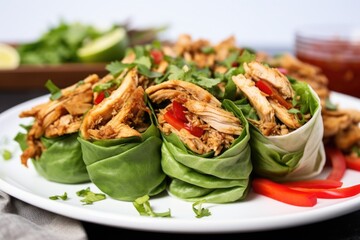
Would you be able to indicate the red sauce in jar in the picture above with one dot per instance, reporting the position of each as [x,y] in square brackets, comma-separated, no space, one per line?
[338,58]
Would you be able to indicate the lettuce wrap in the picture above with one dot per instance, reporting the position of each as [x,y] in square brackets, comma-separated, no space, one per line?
[205,150]
[62,161]
[286,125]
[121,145]
[51,140]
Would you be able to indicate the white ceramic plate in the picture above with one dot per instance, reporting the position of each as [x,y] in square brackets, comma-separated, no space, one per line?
[253,214]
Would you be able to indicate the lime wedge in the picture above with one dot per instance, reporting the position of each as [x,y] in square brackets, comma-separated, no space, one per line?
[108,47]
[9,57]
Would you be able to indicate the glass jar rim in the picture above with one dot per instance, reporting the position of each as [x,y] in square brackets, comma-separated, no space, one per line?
[329,32]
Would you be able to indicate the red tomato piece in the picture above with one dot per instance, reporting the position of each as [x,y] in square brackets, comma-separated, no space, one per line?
[157,55]
[314,183]
[283,193]
[333,192]
[179,111]
[353,162]
[338,163]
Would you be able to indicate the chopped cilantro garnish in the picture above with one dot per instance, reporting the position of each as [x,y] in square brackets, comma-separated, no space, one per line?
[89,197]
[200,211]
[200,78]
[53,89]
[62,197]
[6,154]
[207,50]
[142,205]
[105,86]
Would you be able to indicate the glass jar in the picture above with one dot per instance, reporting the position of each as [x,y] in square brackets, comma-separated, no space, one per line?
[336,50]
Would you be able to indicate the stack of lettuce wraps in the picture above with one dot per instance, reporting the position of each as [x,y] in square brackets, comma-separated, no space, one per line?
[287,127]
[120,142]
[205,149]
[51,140]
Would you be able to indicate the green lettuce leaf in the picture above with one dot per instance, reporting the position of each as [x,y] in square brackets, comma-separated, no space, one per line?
[61,161]
[220,179]
[296,155]
[128,168]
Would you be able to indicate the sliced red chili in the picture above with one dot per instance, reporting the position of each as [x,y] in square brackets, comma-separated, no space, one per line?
[100,97]
[333,192]
[314,183]
[352,162]
[338,163]
[157,56]
[283,193]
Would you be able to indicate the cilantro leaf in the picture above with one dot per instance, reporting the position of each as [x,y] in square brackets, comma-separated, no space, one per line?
[6,154]
[89,197]
[116,67]
[62,197]
[200,211]
[142,205]
[53,89]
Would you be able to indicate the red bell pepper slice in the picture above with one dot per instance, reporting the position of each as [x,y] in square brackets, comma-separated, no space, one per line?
[352,162]
[173,121]
[157,56]
[179,111]
[333,192]
[273,93]
[263,87]
[177,124]
[283,193]
[100,97]
[338,163]
[314,183]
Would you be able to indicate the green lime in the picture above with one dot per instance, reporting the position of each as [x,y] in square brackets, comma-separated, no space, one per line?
[109,47]
[9,57]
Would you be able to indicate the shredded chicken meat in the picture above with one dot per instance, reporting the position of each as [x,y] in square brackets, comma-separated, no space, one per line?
[341,126]
[202,110]
[266,107]
[122,114]
[58,117]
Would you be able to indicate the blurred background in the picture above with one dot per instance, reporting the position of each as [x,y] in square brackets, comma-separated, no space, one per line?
[261,24]
[265,26]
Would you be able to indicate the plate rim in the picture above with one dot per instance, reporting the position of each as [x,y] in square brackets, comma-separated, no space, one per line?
[174,225]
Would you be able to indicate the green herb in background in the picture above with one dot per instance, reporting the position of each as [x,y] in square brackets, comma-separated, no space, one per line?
[62,197]
[142,205]
[61,42]
[89,197]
